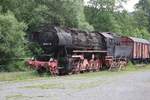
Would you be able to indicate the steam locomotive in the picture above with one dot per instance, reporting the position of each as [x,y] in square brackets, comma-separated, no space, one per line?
[68,50]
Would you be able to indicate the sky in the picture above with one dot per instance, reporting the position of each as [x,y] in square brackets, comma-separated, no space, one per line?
[129,5]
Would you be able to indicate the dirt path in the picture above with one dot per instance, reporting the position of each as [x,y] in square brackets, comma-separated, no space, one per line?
[131,86]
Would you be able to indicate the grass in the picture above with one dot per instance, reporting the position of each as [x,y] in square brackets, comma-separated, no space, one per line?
[22,76]
[47,86]
[17,97]
[63,85]
[25,97]
[17,76]
[141,67]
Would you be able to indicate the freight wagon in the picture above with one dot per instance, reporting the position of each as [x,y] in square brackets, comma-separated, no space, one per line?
[138,48]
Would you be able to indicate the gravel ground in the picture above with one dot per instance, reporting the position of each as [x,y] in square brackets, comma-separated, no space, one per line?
[131,86]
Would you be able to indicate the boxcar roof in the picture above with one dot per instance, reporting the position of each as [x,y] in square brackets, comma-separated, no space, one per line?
[139,40]
[106,35]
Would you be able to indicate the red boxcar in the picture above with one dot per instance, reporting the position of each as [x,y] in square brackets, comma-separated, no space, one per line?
[140,47]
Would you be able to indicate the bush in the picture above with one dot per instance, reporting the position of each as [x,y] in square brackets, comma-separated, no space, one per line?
[12,42]
[131,66]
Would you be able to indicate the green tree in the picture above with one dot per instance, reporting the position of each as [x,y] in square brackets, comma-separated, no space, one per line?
[142,14]
[68,13]
[11,41]
[100,14]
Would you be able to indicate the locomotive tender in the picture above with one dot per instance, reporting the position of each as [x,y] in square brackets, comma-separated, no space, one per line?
[74,51]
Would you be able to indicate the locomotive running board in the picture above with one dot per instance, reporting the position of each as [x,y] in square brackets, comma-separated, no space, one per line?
[89,51]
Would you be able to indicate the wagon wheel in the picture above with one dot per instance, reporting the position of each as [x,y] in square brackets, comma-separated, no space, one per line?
[125,64]
[100,65]
[113,65]
[46,67]
[97,66]
[91,66]
[51,71]
[77,70]
[120,66]
[54,71]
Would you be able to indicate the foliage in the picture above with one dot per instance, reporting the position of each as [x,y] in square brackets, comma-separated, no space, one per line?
[100,14]
[68,13]
[35,48]
[11,40]
[106,16]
